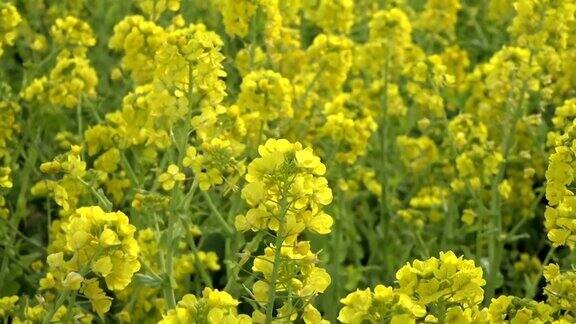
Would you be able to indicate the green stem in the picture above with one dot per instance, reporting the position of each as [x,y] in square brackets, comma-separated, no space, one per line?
[167,289]
[302,128]
[229,231]
[65,293]
[442,312]
[69,311]
[249,249]
[421,243]
[277,258]
[129,169]
[99,194]
[495,242]
[3,268]
[199,265]
[79,118]
[275,272]
[149,269]
[385,209]
[534,285]
[185,204]
[63,296]
[337,256]
[16,231]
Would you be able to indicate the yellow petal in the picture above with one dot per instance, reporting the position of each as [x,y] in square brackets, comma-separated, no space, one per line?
[103,266]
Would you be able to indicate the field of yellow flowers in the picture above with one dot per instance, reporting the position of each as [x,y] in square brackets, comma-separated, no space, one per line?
[277,161]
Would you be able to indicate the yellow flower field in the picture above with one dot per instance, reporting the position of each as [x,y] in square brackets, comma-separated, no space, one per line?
[279,161]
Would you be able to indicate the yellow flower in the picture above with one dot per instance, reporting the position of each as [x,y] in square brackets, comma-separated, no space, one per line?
[333,16]
[139,39]
[190,156]
[306,159]
[103,242]
[7,305]
[48,282]
[237,16]
[155,8]
[357,305]
[5,181]
[286,170]
[447,279]
[71,79]
[217,298]
[504,189]
[265,96]
[317,281]
[254,193]
[108,161]
[71,31]
[9,21]
[320,223]
[169,178]
[312,316]
[73,281]
[109,238]
[214,306]
[100,302]
[217,163]
[468,216]
[103,266]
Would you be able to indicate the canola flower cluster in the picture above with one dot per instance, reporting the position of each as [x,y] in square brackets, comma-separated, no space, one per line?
[95,242]
[287,192]
[278,161]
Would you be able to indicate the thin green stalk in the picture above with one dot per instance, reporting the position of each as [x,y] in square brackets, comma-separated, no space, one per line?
[277,258]
[421,243]
[167,288]
[275,272]
[63,296]
[129,169]
[495,242]
[48,219]
[99,194]
[190,195]
[199,265]
[149,269]
[79,119]
[229,231]
[253,37]
[289,300]
[258,140]
[336,259]
[522,221]
[16,231]
[304,96]
[385,210]
[480,31]
[531,293]
[248,250]
[300,101]
[451,213]
[181,142]
[442,312]
[3,268]
[191,105]
[480,204]
[21,207]
[69,311]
